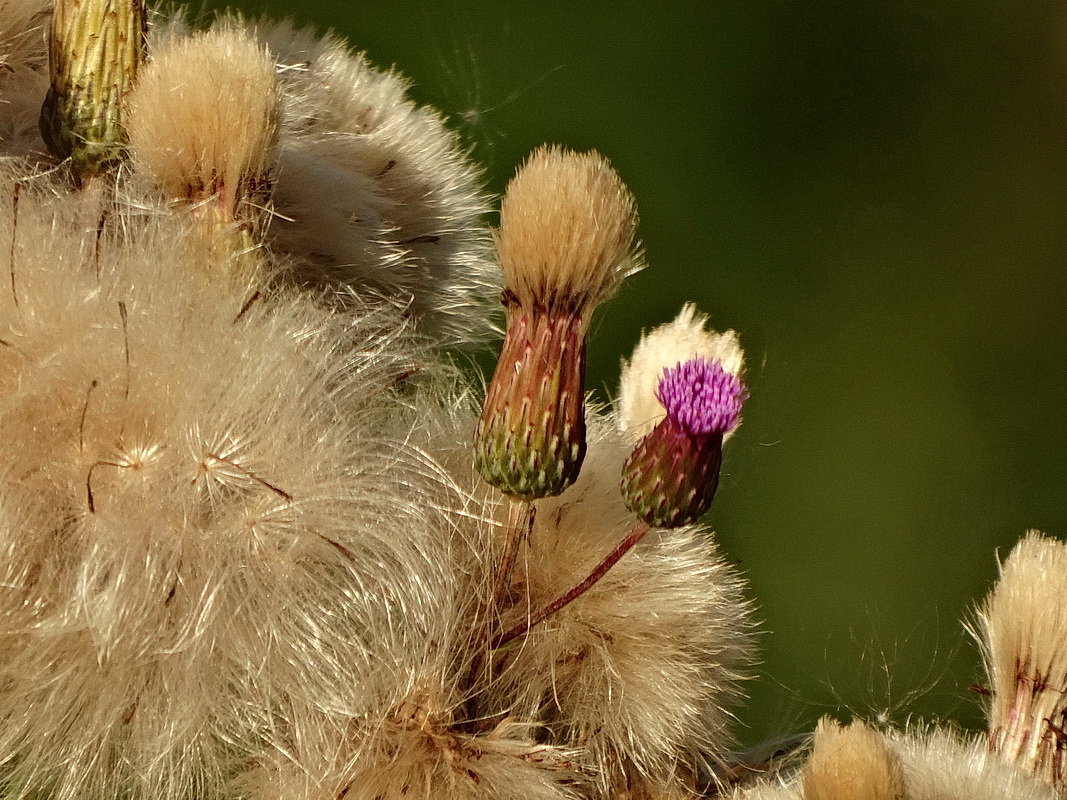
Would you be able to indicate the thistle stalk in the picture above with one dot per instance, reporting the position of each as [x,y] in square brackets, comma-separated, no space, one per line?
[95,48]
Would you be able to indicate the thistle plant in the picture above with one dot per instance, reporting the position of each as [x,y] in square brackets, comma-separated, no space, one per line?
[670,478]
[565,239]
[260,539]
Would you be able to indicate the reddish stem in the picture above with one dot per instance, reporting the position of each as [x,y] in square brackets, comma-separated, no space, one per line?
[599,571]
[520,523]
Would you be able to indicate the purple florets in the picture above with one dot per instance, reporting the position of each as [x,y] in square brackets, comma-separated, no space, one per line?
[701,397]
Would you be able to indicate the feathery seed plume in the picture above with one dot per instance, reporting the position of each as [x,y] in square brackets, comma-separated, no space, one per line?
[852,763]
[1022,627]
[671,476]
[936,764]
[203,122]
[95,47]
[375,196]
[565,240]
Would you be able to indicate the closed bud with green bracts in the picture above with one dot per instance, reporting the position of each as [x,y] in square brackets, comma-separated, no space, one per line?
[95,47]
[531,437]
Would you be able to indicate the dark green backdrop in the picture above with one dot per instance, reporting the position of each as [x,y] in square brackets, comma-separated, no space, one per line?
[873,193]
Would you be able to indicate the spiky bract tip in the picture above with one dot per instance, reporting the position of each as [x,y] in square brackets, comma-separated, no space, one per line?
[530,440]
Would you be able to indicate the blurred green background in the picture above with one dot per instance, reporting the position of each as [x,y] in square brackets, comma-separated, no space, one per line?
[873,194]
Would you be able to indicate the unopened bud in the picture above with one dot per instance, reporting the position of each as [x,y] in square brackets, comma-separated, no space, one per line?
[670,478]
[95,47]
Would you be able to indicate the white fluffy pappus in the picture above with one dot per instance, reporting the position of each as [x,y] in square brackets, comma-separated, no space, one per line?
[641,671]
[432,736]
[215,533]
[1022,630]
[203,117]
[374,192]
[418,752]
[935,765]
[23,75]
[852,762]
[567,227]
[665,346]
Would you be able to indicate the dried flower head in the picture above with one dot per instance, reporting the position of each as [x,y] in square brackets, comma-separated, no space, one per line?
[375,196]
[859,762]
[687,336]
[1022,627]
[566,238]
[671,476]
[852,763]
[203,118]
[202,128]
[566,233]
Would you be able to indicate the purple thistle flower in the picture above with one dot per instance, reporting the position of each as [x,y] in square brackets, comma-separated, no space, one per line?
[670,478]
[701,397]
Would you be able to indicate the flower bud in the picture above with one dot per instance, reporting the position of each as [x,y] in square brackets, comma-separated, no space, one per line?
[685,337]
[565,240]
[670,478]
[95,47]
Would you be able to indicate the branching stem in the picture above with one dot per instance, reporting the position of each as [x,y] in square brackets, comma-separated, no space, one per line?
[590,580]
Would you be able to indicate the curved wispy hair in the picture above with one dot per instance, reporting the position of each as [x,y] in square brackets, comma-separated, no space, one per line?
[936,764]
[642,669]
[216,532]
[373,191]
[23,75]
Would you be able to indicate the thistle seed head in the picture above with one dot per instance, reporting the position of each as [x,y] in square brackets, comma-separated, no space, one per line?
[1022,627]
[204,119]
[565,239]
[566,234]
[852,763]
